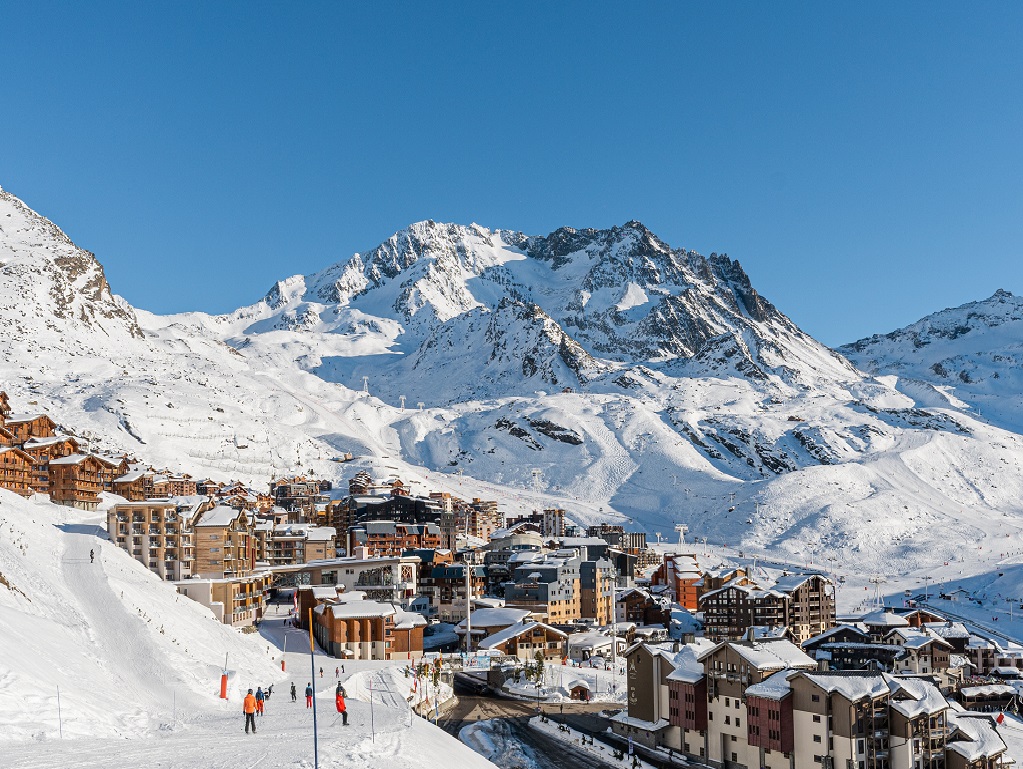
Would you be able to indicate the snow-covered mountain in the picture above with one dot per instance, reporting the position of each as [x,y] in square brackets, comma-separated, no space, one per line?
[970,355]
[643,382]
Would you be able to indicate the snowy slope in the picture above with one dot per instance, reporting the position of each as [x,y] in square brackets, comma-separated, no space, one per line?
[123,648]
[644,382]
[968,356]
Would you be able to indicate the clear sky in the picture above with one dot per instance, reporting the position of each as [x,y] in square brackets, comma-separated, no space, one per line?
[863,161]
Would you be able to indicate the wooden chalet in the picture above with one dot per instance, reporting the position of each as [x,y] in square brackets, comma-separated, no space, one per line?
[77,480]
[42,451]
[135,485]
[16,471]
[25,426]
[5,407]
[6,436]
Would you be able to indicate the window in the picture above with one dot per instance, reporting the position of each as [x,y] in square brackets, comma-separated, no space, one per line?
[815,698]
[816,719]
[816,738]
[728,720]
[737,704]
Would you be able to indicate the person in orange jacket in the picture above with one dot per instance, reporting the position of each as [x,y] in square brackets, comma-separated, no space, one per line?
[339,701]
[249,708]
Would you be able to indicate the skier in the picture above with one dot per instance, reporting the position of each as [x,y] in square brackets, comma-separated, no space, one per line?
[92,556]
[269,691]
[342,668]
[321,672]
[294,694]
[341,690]
[309,695]
[249,708]
[260,699]
[337,672]
[339,701]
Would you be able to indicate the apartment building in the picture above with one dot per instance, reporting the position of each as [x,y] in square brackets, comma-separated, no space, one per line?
[443,584]
[392,538]
[158,534]
[760,703]
[388,580]
[597,580]
[237,601]
[77,480]
[42,451]
[16,471]
[351,626]
[224,543]
[296,543]
[549,586]
[803,603]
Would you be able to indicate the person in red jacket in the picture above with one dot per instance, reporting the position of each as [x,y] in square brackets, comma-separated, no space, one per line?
[339,701]
[309,695]
[249,708]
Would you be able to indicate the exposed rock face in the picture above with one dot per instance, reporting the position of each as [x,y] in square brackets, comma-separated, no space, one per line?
[51,283]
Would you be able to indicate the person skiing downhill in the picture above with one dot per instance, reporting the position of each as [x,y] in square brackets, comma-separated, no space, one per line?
[92,556]
[337,672]
[294,694]
[249,709]
[260,699]
[309,695]
[321,672]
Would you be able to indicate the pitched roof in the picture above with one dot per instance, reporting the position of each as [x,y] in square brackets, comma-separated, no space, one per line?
[514,631]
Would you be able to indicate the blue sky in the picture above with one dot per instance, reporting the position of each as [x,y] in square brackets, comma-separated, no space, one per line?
[863,162]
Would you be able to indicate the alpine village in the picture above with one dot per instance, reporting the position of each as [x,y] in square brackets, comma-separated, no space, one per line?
[706,663]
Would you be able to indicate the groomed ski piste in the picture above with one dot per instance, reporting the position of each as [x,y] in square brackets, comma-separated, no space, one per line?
[137,668]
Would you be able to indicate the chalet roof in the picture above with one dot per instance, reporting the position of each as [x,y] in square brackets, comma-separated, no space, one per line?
[975,736]
[947,629]
[22,454]
[767,655]
[589,640]
[834,631]
[492,617]
[884,618]
[130,477]
[916,639]
[775,687]
[792,582]
[915,697]
[18,418]
[73,459]
[361,609]
[406,620]
[853,687]
[34,442]
[514,631]
[220,515]
[688,668]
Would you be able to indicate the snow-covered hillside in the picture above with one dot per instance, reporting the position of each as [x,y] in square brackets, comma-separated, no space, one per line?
[123,648]
[969,356]
[644,383]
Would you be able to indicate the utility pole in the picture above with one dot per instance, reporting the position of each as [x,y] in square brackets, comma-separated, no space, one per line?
[402,399]
[420,404]
[365,385]
[312,665]
[682,530]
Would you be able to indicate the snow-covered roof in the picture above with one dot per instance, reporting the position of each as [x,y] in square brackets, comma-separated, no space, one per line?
[976,737]
[883,617]
[360,609]
[34,442]
[130,476]
[15,418]
[853,687]
[775,687]
[514,631]
[406,620]
[990,690]
[324,592]
[589,641]
[492,617]
[832,631]
[768,655]
[923,697]
[625,719]
[688,667]
[948,629]
[70,459]
[220,515]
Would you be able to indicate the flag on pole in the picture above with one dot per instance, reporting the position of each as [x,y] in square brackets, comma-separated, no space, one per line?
[1001,717]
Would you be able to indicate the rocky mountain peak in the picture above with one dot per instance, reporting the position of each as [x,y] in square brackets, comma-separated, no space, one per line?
[55,282]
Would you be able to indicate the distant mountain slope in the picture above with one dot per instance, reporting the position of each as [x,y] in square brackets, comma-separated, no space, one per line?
[972,354]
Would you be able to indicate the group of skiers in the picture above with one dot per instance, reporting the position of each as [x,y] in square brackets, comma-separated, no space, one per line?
[254,704]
